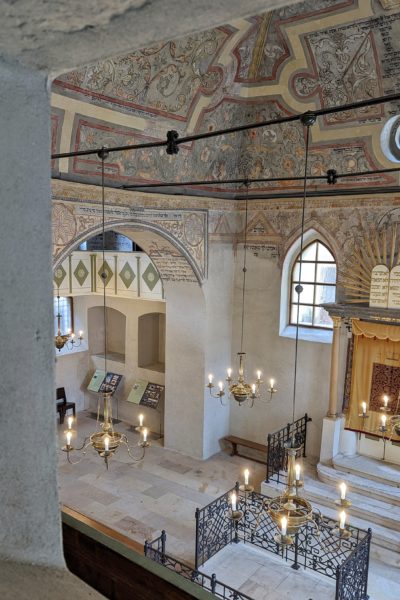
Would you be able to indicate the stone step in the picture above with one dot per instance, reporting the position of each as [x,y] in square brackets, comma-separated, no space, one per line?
[385,544]
[370,468]
[371,510]
[360,485]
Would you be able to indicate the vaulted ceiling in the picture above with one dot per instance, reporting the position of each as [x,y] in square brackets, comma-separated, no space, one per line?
[319,53]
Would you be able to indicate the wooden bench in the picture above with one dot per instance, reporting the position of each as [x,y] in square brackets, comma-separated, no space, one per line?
[237,441]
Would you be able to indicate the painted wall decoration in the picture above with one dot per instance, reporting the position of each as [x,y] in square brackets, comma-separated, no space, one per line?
[129,275]
[318,53]
[165,233]
[371,274]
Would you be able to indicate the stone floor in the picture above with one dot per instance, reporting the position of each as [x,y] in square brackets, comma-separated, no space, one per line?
[263,576]
[163,491]
[160,492]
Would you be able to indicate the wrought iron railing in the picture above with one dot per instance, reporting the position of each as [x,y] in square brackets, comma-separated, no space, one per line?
[352,575]
[155,550]
[276,443]
[315,546]
[214,530]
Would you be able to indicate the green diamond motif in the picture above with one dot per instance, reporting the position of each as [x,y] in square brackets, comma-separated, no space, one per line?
[151,277]
[127,275]
[59,275]
[105,268]
[81,273]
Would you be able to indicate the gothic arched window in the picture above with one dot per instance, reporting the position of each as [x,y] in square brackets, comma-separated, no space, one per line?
[315,276]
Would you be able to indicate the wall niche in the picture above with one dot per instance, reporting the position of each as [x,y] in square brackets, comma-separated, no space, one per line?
[116,333]
[151,342]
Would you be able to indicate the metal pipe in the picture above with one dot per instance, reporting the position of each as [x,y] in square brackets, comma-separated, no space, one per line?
[244,180]
[238,128]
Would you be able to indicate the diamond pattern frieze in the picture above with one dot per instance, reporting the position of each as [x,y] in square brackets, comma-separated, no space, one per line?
[127,275]
[151,277]
[107,271]
[81,273]
[59,275]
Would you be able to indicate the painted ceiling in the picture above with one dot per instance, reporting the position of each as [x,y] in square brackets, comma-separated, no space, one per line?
[315,54]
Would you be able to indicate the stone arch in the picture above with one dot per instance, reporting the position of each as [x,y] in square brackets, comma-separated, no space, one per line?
[169,255]
[313,228]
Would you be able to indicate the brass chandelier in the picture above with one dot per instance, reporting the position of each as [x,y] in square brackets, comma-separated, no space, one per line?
[106,440]
[241,390]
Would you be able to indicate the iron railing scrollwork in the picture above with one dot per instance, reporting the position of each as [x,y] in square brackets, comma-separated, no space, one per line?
[315,547]
[155,550]
[214,529]
[352,574]
[276,444]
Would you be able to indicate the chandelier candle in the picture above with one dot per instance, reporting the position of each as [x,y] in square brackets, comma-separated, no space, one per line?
[246,477]
[283,526]
[145,434]
[70,423]
[140,420]
[342,521]
[364,408]
[385,401]
[106,443]
[297,469]
[383,420]
[69,435]
[233,502]
[343,488]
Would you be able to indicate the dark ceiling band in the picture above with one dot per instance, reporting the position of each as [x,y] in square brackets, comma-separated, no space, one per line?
[331,177]
[173,139]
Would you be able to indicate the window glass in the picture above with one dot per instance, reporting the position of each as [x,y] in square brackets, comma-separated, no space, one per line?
[326,273]
[317,276]
[307,272]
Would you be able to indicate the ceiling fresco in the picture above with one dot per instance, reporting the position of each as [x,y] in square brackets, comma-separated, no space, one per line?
[320,53]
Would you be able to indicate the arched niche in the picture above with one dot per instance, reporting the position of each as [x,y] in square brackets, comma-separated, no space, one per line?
[116,332]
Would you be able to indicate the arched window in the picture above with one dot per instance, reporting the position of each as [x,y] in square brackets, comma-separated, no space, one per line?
[317,278]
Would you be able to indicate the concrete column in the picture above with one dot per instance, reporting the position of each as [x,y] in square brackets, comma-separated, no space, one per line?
[30,525]
[333,385]
[218,296]
[184,368]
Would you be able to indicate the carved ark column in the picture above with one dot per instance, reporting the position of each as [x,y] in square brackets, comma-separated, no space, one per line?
[333,386]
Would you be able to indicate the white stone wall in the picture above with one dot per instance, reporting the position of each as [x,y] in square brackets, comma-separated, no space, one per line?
[274,356]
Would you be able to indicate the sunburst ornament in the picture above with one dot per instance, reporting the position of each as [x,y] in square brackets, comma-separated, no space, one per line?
[371,275]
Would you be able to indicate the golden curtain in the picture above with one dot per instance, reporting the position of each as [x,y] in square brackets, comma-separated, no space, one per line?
[375,372]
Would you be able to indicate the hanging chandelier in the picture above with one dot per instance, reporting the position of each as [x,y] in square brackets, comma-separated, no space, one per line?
[241,390]
[290,511]
[65,340]
[105,440]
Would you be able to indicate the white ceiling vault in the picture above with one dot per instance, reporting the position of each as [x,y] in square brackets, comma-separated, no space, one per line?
[60,35]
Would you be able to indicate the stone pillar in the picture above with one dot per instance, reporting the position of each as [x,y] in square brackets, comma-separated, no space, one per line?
[333,385]
[184,368]
[30,526]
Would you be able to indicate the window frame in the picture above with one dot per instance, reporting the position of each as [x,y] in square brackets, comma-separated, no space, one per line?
[70,300]
[292,282]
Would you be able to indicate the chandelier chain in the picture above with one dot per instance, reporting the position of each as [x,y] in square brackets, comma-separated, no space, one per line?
[244,264]
[308,124]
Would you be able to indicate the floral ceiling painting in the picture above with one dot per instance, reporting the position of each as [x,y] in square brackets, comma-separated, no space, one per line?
[320,53]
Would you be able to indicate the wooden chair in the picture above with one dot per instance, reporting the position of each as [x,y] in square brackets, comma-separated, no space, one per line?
[63,405]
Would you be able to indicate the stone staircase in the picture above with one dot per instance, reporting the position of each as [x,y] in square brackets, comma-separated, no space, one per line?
[374,490]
